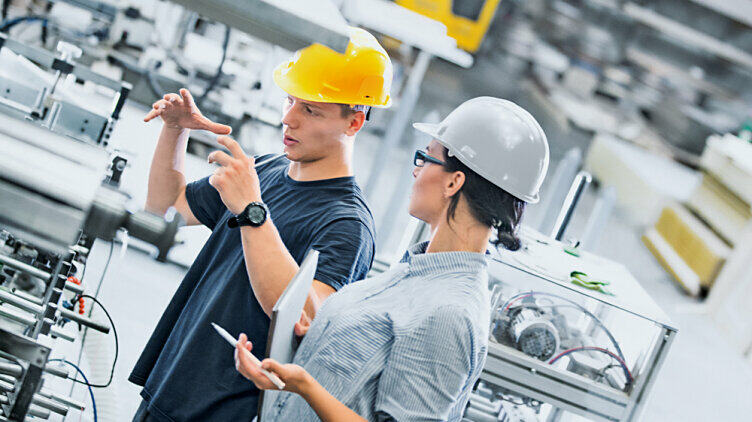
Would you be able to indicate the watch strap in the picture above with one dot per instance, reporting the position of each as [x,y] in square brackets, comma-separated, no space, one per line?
[242,218]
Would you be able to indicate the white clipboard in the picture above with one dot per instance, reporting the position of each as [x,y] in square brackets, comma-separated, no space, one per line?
[280,344]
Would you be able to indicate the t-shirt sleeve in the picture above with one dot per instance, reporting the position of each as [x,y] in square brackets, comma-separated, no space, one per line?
[205,202]
[346,249]
[427,369]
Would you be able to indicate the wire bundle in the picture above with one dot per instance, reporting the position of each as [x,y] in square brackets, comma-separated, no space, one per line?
[619,358]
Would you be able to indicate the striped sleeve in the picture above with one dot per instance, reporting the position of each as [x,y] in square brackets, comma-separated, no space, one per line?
[428,368]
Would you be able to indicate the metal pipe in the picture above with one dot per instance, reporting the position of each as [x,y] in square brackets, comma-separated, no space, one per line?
[582,180]
[29,297]
[13,316]
[64,400]
[397,125]
[38,412]
[27,306]
[556,193]
[27,320]
[75,288]
[40,401]
[57,371]
[50,405]
[22,266]
[598,219]
[20,303]
[56,332]
[12,369]
[84,321]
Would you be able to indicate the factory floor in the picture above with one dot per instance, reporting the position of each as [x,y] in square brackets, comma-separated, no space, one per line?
[701,380]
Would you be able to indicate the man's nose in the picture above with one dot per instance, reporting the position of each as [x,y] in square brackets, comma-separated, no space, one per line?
[289,118]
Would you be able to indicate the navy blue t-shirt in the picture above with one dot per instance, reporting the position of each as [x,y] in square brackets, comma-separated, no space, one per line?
[186,369]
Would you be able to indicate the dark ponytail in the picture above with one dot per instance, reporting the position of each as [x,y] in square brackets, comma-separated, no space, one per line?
[488,203]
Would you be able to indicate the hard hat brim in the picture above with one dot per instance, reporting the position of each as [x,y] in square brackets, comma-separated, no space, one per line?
[433,130]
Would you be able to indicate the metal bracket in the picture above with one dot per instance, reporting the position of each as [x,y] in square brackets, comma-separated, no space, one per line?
[33,357]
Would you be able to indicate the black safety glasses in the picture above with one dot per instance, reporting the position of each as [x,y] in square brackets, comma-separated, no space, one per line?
[422,157]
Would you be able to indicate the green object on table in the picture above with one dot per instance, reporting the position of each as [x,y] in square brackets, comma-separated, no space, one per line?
[581,279]
[572,251]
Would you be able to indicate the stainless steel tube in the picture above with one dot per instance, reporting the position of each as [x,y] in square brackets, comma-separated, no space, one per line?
[581,182]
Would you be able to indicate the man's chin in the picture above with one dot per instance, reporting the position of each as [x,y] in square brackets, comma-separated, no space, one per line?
[294,155]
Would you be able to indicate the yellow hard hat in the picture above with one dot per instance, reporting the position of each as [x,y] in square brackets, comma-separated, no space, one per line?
[360,76]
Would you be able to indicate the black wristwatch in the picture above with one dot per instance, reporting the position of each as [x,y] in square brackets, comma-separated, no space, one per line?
[254,215]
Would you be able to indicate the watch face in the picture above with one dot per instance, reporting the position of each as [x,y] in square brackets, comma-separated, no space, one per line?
[256,214]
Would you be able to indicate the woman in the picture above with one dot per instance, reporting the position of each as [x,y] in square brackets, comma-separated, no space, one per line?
[410,343]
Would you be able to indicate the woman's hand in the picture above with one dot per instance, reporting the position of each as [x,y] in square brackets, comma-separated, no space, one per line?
[181,112]
[302,326]
[296,378]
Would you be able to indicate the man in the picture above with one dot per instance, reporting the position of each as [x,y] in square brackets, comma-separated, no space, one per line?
[263,221]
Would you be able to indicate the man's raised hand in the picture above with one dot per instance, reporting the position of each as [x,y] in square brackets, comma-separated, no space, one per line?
[181,112]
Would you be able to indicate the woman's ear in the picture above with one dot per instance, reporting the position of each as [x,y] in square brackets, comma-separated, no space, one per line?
[454,183]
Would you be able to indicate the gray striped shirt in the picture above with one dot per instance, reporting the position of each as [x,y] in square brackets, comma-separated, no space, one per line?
[406,345]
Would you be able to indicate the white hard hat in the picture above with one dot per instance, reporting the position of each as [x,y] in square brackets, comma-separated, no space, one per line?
[497,139]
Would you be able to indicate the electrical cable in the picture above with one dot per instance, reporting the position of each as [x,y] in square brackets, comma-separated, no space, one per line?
[91,392]
[215,79]
[519,296]
[6,25]
[104,272]
[598,349]
[44,34]
[99,285]
[117,344]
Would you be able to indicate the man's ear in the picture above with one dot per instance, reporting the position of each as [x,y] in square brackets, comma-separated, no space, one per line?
[454,183]
[357,120]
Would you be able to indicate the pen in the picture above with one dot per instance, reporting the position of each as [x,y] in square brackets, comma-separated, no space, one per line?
[233,341]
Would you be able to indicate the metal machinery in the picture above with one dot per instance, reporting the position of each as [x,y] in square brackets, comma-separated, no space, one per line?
[560,352]
[467,21]
[50,108]
[58,192]
[53,203]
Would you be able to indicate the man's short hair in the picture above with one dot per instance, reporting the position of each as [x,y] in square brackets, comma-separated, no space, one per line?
[348,109]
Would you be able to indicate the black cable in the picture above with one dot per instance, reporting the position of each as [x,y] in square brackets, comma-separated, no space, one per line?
[47,10]
[6,4]
[99,285]
[117,344]
[218,75]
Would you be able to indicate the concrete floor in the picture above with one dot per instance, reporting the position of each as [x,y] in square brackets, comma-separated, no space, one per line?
[702,379]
